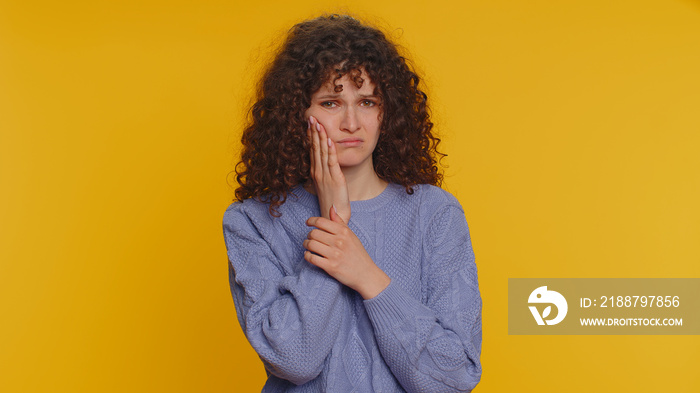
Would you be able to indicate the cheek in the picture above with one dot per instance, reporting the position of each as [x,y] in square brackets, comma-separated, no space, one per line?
[374,125]
[375,119]
[314,112]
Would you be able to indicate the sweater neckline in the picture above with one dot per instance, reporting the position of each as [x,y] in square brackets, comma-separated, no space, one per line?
[308,199]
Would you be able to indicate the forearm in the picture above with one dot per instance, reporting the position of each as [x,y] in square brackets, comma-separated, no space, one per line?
[423,352]
[374,281]
[292,323]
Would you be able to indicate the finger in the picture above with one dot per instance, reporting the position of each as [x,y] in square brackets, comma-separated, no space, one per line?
[316,148]
[335,217]
[325,224]
[318,248]
[332,157]
[333,163]
[311,145]
[321,236]
[323,144]
[315,259]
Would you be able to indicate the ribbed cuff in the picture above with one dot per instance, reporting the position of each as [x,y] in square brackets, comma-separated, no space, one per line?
[392,307]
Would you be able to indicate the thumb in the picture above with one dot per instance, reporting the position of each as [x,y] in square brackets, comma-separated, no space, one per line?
[335,216]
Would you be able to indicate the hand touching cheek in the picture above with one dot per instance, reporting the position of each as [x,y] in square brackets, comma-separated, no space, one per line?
[328,178]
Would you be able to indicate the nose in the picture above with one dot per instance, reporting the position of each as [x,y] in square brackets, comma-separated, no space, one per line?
[350,121]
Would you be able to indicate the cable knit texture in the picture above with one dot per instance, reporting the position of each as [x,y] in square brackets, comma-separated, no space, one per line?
[421,334]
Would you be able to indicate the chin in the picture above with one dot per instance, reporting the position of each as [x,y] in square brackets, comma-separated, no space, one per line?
[348,159]
[348,162]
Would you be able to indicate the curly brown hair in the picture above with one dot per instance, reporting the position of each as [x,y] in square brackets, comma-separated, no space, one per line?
[275,155]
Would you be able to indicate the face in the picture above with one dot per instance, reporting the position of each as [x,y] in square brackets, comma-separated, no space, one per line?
[351,118]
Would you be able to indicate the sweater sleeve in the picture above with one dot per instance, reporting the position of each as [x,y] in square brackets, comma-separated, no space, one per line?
[290,320]
[435,347]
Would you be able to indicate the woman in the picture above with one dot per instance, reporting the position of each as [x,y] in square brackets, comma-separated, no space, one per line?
[349,268]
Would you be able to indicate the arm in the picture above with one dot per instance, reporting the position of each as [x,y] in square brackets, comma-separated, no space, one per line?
[290,320]
[435,347]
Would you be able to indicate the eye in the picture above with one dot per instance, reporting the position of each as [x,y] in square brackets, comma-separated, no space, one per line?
[328,104]
[368,103]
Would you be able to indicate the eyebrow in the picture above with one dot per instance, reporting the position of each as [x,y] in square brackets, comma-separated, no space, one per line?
[327,96]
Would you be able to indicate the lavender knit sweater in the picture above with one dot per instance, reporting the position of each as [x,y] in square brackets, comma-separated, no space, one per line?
[421,334]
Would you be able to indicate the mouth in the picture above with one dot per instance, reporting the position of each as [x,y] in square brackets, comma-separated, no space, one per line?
[350,142]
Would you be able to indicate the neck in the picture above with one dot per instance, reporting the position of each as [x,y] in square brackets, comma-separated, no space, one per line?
[362,183]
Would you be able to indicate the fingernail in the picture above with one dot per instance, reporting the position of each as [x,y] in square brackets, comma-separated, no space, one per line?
[318,127]
[334,209]
[329,142]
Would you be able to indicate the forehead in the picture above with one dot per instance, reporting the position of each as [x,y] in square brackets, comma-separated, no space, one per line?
[348,84]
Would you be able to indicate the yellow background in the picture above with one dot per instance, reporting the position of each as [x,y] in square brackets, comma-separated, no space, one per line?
[572,128]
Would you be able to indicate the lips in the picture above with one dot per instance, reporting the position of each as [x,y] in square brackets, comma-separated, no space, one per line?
[349,142]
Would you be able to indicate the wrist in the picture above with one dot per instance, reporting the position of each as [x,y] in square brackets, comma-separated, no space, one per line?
[376,284]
